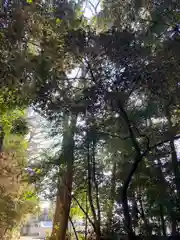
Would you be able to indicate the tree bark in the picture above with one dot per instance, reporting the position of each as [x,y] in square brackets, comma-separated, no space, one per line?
[127,217]
[164,186]
[86,219]
[138,158]
[135,211]
[90,186]
[175,165]
[63,199]
[173,226]
[112,196]
[174,159]
[143,216]
[163,224]
[74,228]
[95,218]
[98,221]
[2,135]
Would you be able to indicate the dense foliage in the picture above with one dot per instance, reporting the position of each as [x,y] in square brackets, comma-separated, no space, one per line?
[108,91]
[17,196]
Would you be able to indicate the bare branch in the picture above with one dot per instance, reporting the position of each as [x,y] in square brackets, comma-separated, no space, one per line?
[86,214]
[74,229]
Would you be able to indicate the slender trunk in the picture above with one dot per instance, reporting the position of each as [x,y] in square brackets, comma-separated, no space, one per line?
[74,228]
[112,196]
[90,186]
[127,217]
[175,166]
[63,200]
[86,219]
[173,226]
[135,211]
[174,158]
[173,220]
[143,216]
[2,135]
[158,226]
[163,224]
[96,222]
[138,158]
[85,212]
[161,207]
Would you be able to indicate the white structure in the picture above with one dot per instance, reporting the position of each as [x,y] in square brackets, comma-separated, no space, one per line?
[35,222]
[40,229]
[40,224]
[44,229]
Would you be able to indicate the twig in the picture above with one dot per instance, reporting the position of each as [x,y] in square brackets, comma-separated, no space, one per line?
[74,229]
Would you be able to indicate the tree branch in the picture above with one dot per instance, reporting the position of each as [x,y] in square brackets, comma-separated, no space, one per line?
[86,214]
[74,229]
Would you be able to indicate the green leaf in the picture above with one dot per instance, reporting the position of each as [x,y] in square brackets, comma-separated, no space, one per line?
[58,20]
[38,171]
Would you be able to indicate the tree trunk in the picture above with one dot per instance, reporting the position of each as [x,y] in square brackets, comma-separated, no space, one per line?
[90,183]
[127,217]
[63,203]
[2,135]
[135,211]
[138,158]
[163,224]
[63,199]
[145,220]
[175,166]
[174,159]
[165,187]
[98,220]
[173,226]
[74,228]
[86,219]
[56,220]
[112,196]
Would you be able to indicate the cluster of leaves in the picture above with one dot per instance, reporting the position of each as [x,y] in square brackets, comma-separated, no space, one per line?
[14,99]
[126,98]
[111,100]
[15,203]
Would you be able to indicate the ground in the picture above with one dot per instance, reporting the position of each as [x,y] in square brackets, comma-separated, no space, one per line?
[29,238]
[26,238]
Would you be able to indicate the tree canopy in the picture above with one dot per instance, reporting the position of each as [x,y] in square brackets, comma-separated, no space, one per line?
[108,91]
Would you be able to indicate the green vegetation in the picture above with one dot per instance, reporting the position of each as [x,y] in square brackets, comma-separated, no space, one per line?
[14,204]
[108,91]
